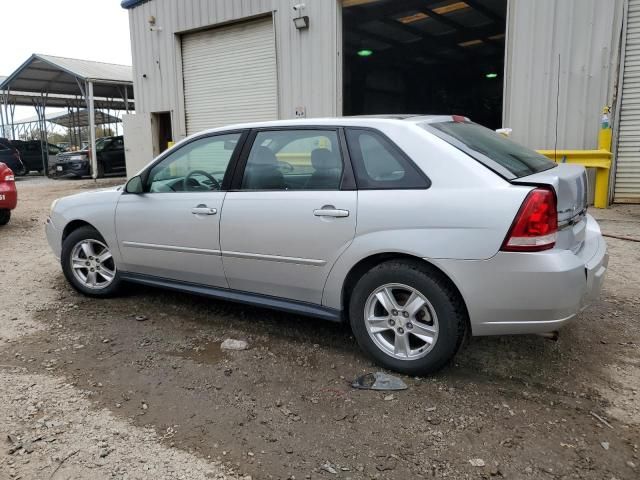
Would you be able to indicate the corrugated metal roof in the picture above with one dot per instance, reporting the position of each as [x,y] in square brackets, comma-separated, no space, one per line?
[60,75]
[91,70]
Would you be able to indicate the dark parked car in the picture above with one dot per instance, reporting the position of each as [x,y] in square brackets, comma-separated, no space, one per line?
[78,164]
[31,153]
[10,156]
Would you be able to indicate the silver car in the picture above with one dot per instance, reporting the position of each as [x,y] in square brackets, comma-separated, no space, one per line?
[418,230]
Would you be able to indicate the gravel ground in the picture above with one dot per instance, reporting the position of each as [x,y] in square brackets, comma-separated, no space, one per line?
[137,387]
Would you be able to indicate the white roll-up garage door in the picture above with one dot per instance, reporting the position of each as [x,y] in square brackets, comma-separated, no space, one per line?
[230,75]
[627,188]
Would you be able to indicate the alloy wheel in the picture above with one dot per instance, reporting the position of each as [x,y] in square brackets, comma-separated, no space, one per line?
[401,321]
[92,264]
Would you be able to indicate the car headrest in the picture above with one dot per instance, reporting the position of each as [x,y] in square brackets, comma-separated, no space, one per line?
[324,159]
[264,157]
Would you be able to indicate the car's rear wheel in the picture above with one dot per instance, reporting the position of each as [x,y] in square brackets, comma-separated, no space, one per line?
[407,317]
[5,216]
[88,264]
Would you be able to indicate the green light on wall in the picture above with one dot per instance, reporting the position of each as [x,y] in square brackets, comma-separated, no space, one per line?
[491,75]
[365,53]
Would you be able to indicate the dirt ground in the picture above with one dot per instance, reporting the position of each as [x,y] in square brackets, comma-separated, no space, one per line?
[88,390]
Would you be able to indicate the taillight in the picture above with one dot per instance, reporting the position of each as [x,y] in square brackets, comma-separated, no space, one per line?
[9,178]
[535,227]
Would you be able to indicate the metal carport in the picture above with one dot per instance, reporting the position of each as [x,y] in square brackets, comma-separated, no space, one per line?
[71,120]
[49,77]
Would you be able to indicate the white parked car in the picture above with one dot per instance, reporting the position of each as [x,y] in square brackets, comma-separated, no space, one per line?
[417,230]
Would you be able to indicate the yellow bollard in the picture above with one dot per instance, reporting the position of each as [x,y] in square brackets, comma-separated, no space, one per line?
[599,159]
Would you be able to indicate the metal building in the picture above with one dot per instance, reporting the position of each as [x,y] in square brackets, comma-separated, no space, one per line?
[544,68]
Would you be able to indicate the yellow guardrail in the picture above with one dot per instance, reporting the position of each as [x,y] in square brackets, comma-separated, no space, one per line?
[600,159]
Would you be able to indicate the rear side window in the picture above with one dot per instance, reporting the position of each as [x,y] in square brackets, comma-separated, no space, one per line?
[379,164]
[481,143]
[294,160]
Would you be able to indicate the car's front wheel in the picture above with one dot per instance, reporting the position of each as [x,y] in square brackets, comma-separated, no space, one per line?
[88,264]
[407,317]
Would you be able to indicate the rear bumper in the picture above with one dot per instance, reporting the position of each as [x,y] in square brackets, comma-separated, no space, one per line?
[8,196]
[514,293]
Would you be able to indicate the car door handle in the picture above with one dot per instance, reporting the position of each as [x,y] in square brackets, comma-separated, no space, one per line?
[203,210]
[330,211]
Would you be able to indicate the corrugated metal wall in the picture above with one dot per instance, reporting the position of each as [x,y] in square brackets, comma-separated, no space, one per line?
[585,34]
[308,73]
[627,185]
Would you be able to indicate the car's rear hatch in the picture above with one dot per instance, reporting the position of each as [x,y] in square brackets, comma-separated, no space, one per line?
[570,185]
[522,166]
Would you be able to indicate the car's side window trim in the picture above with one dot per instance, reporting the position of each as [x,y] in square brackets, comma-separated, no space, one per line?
[230,167]
[347,181]
[348,175]
[399,151]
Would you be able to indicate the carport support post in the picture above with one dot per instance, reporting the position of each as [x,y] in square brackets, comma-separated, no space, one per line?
[92,131]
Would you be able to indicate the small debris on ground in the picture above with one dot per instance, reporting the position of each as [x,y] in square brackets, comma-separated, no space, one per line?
[327,467]
[231,344]
[477,462]
[140,318]
[378,381]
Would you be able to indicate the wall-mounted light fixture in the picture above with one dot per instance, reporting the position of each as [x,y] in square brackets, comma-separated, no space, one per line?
[152,24]
[301,21]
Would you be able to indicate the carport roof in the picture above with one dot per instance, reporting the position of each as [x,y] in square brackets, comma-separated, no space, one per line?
[60,76]
[67,120]
[61,101]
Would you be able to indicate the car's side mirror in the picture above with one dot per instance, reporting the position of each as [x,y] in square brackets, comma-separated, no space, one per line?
[134,185]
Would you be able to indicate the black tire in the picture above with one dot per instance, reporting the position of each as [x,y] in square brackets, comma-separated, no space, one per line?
[21,172]
[445,300]
[78,235]
[5,216]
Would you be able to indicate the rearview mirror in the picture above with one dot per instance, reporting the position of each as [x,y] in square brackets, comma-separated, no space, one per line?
[134,185]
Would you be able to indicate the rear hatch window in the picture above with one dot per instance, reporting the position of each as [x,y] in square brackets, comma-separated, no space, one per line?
[495,151]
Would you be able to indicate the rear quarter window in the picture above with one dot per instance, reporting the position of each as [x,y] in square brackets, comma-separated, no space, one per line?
[490,148]
[380,164]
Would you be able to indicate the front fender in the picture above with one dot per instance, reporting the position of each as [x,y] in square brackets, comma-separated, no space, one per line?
[95,208]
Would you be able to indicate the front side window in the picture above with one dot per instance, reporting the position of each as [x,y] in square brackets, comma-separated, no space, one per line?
[294,160]
[379,164]
[197,166]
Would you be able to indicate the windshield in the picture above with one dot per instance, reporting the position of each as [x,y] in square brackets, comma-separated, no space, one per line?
[482,144]
[101,143]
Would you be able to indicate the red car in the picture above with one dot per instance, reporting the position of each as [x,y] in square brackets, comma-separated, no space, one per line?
[8,193]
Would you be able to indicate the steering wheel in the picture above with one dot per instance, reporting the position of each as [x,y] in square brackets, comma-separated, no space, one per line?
[185,182]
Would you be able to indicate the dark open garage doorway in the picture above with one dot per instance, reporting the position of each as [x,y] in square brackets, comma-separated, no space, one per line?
[424,56]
